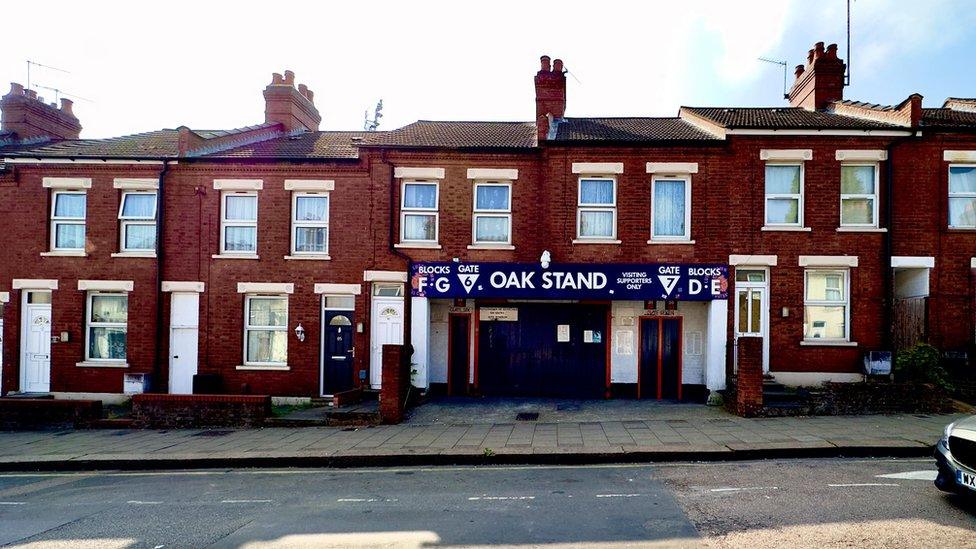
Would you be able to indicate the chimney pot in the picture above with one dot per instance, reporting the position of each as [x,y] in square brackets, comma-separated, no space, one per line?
[16,89]
[290,78]
[557,66]
[821,81]
[810,57]
[31,94]
[798,71]
[276,79]
[309,95]
[303,89]
[546,67]
[66,105]
[832,50]
[819,47]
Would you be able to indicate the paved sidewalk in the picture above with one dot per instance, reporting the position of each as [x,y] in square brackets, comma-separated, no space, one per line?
[675,432]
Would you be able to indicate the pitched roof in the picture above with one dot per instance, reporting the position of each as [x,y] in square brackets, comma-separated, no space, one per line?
[781,118]
[459,135]
[948,118]
[325,144]
[154,144]
[629,130]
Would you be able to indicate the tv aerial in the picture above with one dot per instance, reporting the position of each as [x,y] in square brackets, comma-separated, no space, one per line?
[371,125]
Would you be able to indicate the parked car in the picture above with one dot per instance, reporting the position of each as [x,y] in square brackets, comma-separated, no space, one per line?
[956,456]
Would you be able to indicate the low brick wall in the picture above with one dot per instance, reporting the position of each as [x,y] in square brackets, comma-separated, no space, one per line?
[749,377]
[46,413]
[878,398]
[396,381]
[158,411]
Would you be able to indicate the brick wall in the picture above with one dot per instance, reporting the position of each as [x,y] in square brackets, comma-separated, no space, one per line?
[396,382]
[749,377]
[186,411]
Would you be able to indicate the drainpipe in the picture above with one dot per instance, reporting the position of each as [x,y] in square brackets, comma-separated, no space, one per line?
[888,272]
[160,259]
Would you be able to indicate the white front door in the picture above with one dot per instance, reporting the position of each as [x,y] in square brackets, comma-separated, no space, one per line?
[183,334]
[752,307]
[386,323]
[35,370]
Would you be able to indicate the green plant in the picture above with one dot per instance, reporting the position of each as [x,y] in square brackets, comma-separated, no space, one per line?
[922,364]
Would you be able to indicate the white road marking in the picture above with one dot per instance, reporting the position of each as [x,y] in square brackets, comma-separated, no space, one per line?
[138,502]
[859,484]
[912,475]
[618,495]
[246,501]
[746,489]
[500,498]
[12,503]
[366,500]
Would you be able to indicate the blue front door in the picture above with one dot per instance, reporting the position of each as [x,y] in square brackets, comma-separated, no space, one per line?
[337,349]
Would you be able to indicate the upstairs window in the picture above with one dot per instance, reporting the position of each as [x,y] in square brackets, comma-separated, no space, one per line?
[859,195]
[239,223]
[784,195]
[962,197]
[826,305]
[68,220]
[310,224]
[107,325]
[671,207]
[418,212]
[137,222]
[492,213]
[597,208]
[265,330]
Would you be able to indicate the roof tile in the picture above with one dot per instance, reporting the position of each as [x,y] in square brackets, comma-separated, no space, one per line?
[780,118]
[629,130]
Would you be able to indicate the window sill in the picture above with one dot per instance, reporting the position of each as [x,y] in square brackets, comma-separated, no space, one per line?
[418,245]
[65,253]
[862,230]
[960,229]
[310,257]
[660,241]
[102,364]
[234,256]
[827,343]
[595,241]
[149,255]
[786,229]
[490,247]
[259,368]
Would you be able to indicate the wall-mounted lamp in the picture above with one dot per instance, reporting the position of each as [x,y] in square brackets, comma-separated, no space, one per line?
[300,332]
[545,259]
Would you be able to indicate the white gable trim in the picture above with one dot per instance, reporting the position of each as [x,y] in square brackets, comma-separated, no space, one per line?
[106,285]
[238,184]
[180,286]
[326,288]
[862,155]
[309,185]
[135,184]
[418,173]
[753,260]
[786,154]
[35,284]
[493,173]
[598,168]
[66,182]
[828,261]
[672,167]
[265,288]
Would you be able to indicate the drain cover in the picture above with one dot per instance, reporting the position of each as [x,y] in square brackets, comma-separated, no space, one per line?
[212,433]
[527,416]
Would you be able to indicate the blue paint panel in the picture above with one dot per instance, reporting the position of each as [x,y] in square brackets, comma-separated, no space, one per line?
[699,282]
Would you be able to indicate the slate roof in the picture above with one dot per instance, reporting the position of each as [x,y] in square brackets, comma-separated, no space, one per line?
[326,144]
[628,130]
[782,118]
[459,135]
[154,144]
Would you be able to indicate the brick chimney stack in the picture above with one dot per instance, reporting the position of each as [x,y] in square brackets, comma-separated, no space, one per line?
[290,106]
[550,94]
[820,81]
[26,114]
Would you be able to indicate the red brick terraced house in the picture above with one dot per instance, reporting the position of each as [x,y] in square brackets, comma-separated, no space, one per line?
[566,257]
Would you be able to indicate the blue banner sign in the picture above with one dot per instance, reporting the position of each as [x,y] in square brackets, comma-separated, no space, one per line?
[696,282]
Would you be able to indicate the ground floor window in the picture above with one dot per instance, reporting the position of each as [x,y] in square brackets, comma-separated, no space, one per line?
[826,305]
[107,320]
[266,330]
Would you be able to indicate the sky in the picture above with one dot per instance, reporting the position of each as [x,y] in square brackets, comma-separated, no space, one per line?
[140,66]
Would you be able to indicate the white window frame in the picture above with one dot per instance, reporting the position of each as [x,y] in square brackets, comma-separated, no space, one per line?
[128,221]
[845,275]
[687,181]
[477,213]
[767,197]
[55,220]
[952,195]
[873,197]
[257,328]
[592,207]
[89,324]
[296,223]
[435,211]
[224,223]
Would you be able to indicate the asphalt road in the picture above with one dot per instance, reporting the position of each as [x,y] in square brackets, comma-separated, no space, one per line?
[797,503]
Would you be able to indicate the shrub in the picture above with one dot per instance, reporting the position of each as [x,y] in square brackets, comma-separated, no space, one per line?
[922,364]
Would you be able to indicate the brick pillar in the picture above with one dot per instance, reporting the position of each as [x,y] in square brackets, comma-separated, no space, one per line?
[396,380]
[749,377]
